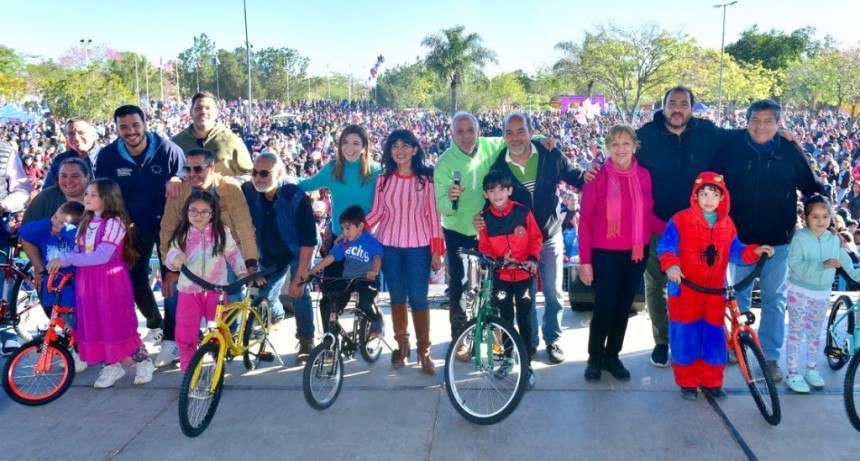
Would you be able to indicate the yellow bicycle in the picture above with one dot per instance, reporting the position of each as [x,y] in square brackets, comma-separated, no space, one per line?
[239,329]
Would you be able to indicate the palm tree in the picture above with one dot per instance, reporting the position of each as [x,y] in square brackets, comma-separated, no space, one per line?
[453,55]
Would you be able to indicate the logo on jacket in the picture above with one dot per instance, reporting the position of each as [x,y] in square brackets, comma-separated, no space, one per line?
[156,170]
[520,231]
[709,255]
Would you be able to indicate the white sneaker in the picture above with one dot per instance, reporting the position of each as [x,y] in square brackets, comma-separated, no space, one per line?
[797,384]
[143,372]
[109,376]
[813,377]
[154,336]
[80,365]
[169,354]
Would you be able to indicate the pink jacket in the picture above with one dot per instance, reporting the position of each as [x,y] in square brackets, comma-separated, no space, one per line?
[199,259]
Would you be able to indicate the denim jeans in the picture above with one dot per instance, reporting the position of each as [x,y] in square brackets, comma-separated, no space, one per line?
[550,273]
[456,272]
[302,306]
[771,330]
[407,274]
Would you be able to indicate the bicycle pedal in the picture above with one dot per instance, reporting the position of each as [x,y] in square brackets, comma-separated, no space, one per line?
[266,356]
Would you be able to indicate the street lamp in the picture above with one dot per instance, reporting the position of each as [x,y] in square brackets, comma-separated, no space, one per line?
[248,51]
[86,45]
[722,52]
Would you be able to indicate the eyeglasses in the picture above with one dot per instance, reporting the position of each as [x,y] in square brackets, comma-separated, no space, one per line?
[260,173]
[194,212]
[196,168]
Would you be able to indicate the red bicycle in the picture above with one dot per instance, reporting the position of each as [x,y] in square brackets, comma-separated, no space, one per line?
[43,369]
[22,310]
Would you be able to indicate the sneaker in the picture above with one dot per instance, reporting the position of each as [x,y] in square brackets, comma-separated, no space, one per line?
[109,376]
[715,393]
[689,393]
[797,384]
[556,355]
[775,372]
[10,346]
[463,353]
[376,328]
[143,372]
[505,368]
[530,379]
[169,354]
[733,356]
[660,355]
[80,365]
[813,377]
[616,369]
[154,336]
[592,371]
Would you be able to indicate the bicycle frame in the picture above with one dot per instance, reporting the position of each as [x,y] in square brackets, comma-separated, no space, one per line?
[854,339]
[44,363]
[484,310]
[736,326]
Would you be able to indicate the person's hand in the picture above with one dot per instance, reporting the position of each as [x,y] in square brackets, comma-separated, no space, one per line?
[832,263]
[54,265]
[436,262]
[764,249]
[296,287]
[174,187]
[591,172]
[454,192]
[478,222]
[586,274]
[371,275]
[674,274]
[549,143]
[179,259]
[168,284]
[530,266]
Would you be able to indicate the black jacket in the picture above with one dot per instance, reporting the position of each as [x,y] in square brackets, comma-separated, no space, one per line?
[552,168]
[763,188]
[675,161]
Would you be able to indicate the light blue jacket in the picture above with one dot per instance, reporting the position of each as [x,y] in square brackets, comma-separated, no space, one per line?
[806,256]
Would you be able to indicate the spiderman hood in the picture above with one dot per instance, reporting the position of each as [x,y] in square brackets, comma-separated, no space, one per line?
[714,179]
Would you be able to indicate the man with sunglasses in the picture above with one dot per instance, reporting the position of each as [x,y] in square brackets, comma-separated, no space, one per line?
[231,154]
[283,218]
[145,165]
[200,175]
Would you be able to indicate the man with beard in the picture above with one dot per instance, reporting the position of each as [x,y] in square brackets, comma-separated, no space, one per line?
[283,218]
[231,155]
[81,137]
[143,164]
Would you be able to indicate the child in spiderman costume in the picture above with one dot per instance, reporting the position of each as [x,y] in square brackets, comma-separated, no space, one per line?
[698,244]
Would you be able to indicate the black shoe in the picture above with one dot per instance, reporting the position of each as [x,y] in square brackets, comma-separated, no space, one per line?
[616,369]
[660,355]
[556,355]
[716,393]
[592,371]
[689,393]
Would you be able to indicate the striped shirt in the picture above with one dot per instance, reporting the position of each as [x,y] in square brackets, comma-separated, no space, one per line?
[406,213]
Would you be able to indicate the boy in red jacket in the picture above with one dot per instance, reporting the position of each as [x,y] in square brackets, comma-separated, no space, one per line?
[510,232]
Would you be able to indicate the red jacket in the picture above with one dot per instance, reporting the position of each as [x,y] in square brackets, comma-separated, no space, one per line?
[511,232]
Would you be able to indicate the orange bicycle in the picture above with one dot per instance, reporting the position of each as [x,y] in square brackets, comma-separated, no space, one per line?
[43,369]
[22,310]
[742,339]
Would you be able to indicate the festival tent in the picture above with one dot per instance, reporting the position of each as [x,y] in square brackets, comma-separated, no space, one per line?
[700,107]
[10,112]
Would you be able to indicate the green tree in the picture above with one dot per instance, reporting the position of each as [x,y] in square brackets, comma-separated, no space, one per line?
[742,82]
[86,93]
[506,90]
[455,57]
[275,66]
[407,85]
[774,49]
[11,66]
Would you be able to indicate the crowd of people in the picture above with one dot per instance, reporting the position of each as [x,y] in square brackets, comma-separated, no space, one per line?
[369,191]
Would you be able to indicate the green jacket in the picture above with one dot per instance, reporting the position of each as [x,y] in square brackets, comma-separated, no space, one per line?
[472,171]
[231,155]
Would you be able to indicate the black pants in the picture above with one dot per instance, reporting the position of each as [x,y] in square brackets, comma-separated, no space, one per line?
[616,279]
[506,295]
[336,294]
[454,241]
[143,297]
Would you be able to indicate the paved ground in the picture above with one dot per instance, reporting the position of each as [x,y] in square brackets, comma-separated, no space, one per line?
[405,415]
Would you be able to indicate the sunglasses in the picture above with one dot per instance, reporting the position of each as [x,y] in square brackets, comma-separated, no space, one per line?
[196,168]
[260,173]
[194,212]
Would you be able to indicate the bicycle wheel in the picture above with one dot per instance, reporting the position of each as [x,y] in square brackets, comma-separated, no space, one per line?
[197,402]
[27,386]
[761,383]
[851,393]
[255,336]
[370,348]
[836,345]
[24,298]
[489,392]
[323,377]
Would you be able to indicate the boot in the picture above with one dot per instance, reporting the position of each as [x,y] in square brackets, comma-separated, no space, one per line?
[400,319]
[422,334]
[306,343]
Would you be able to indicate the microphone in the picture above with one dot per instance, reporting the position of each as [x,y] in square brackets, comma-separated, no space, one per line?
[456,202]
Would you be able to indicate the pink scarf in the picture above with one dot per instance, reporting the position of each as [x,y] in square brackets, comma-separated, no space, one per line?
[613,205]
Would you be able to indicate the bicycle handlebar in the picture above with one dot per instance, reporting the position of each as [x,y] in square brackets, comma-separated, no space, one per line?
[494,263]
[853,285]
[721,291]
[229,287]
[318,277]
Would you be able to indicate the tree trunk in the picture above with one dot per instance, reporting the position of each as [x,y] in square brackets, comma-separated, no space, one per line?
[453,97]
[590,87]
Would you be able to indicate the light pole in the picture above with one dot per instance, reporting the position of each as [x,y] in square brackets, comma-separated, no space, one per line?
[722,53]
[248,52]
[86,45]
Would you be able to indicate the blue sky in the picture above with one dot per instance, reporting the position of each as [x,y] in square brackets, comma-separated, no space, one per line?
[341,35]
